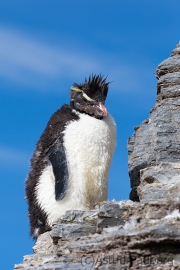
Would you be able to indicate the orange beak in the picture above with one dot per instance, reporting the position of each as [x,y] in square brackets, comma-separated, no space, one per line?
[103,109]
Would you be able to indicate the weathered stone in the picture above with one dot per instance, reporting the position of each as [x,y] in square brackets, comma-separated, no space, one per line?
[148,238]
[72,230]
[170,65]
[159,182]
[157,139]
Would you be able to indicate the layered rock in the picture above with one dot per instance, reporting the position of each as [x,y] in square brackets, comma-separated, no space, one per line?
[155,145]
[118,235]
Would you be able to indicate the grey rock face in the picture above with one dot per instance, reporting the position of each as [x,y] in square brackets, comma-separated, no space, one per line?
[157,139]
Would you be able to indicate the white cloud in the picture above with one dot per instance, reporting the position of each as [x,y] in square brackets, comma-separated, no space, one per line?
[31,62]
[23,59]
[12,156]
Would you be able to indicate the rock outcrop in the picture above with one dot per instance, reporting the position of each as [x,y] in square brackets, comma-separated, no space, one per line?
[141,233]
[118,235]
[154,148]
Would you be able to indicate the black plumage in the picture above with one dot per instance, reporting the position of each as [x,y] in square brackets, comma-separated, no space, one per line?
[50,149]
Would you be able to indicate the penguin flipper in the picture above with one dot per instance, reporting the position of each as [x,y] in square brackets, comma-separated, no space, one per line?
[57,157]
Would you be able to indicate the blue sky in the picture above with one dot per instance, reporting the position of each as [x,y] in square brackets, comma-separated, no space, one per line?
[44,48]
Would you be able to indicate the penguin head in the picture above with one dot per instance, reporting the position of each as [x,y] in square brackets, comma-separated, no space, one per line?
[89,97]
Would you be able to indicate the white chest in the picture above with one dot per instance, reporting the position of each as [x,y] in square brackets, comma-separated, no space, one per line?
[89,145]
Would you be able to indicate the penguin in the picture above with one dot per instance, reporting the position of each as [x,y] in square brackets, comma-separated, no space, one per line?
[69,167]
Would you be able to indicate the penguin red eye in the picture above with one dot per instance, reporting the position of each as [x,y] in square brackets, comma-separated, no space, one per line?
[84,99]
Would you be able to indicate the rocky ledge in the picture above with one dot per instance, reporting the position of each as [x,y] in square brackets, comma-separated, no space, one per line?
[141,233]
[117,235]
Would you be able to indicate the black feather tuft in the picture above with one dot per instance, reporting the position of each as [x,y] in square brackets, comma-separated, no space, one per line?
[96,87]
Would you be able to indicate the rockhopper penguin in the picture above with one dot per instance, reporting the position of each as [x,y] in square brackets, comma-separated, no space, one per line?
[69,168]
